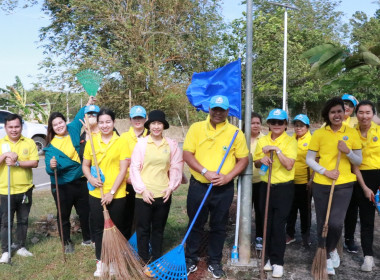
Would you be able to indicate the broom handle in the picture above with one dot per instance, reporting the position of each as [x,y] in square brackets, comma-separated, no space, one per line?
[94,156]
[59,214]
[208,190]
[266,217]
[332,192]
[9,217]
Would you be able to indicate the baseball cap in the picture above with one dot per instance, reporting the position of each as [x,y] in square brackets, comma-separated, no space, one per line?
[351,98]
[302,118]
[277,114]
[220,101]
[137,111]
[91,108]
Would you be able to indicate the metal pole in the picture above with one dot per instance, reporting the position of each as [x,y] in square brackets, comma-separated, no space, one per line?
[284,94]
[246,190]
[67,106]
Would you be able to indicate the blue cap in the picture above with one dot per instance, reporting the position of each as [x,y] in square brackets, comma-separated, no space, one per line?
[302,118]
[91,108]
[137,111]
[351,98]
[220,101]
[277,114]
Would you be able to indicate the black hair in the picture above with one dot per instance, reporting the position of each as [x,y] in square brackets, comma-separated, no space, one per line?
[50,131]
[294,123]
[328,105]
[105,111]
[12,117]
[257,115]
[365,102]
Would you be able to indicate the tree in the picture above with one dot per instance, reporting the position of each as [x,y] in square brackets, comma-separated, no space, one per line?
[148,47]
[10,5]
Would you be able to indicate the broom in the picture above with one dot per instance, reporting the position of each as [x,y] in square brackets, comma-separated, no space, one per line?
[262,273]
[318,269]
[90,80]
[172,265]
[5,148]
[117,254]
[59,214]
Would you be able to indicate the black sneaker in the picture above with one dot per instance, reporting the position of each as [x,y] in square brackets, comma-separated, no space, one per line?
[216,270]
[69,248]
[191,266]
[350,246]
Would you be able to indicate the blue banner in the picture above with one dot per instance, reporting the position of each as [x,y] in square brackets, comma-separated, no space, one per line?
[222,81]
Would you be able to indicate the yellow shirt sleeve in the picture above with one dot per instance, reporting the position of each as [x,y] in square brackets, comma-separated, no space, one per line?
[125,152]
[259,150]
[241,146]
[190,140]
[87,151]
[315,141]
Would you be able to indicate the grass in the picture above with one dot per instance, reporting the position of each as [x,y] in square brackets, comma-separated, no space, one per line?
[47,262]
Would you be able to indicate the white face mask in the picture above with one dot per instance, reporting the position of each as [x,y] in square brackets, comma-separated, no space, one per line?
[92,121]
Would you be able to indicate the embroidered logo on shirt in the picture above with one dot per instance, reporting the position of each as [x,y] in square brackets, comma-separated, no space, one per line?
[375,139]
[304,144]
[345,138]
[165,151]
[25,151]
[225,148]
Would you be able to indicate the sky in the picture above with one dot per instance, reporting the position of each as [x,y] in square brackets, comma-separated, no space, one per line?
[20,51]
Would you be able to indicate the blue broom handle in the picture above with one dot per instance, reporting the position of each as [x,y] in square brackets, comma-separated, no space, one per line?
[208,190]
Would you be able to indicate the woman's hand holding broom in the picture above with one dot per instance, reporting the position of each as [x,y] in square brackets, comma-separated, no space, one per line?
[107,198]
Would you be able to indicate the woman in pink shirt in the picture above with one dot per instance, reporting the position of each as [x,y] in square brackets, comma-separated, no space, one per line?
[155,171]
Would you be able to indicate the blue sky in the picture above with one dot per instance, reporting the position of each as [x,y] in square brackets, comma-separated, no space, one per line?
[20,54]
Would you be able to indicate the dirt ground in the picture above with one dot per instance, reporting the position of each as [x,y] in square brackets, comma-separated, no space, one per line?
[298,260]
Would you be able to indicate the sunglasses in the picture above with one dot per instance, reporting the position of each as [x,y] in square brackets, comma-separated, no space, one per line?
[349,104]
[92,115]
[276,122]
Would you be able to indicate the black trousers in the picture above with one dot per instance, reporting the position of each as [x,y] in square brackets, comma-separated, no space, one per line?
[256,205]
[150,226]
[351,218]
[280,202]
[367,209]
[22,213]
[217,205]
[341,199]
[301,203]
[130,209]
[116,209]
[74,194]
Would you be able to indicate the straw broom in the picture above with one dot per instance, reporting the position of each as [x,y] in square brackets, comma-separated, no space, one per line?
[117,255]
[318,269]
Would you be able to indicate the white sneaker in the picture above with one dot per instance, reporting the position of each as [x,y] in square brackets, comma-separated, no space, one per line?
[330,268]
[268,266]
[98,271]
[335,258]
[4,258]
[24,253]
[367,264]
[278,271]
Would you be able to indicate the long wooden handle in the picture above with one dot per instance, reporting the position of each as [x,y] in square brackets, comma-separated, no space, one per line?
[94,155]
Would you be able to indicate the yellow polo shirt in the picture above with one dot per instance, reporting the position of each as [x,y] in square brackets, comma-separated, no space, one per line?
[109,157]
[351,122]
[288,146]
[325,142]
[131,138]
[156,166]
[209,145]
[301,168]
[21,178]
[370,148]
[65,145]
[255,174]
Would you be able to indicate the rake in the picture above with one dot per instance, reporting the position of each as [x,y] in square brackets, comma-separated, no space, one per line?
[90,80]
[172,265]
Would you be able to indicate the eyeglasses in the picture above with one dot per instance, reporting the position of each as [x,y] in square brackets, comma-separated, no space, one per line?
[276,122]
[349,104]
[92,115]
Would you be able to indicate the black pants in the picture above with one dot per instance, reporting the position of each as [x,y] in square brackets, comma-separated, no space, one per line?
[217,204]
[367,209]
[280,202]
[130,209]
[301,203]
[116,209]
[341,199]
[74,194]
[256,205]
[351,218]
[150,226]
[22,213]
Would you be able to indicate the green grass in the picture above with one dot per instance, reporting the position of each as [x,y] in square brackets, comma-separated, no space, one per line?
[47,262]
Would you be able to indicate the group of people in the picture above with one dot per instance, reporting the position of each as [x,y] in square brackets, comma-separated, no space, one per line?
[140,169]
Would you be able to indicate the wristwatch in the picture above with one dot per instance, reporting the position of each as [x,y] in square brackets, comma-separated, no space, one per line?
[204,170]
[112,192]
[17,164]
[278,152]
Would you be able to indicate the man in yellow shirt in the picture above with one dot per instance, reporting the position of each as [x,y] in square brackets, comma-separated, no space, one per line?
[205,145]
[20,155]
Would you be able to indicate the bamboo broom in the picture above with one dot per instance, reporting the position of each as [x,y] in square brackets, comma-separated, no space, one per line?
[318,269]
[118,259]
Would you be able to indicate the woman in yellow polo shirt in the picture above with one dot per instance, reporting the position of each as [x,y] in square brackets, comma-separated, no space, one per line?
[368,174]
[327,142]
[156,171]
[113,156]
[284,150]
[301,199]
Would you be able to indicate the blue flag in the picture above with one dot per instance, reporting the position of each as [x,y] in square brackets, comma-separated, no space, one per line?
[222,81]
